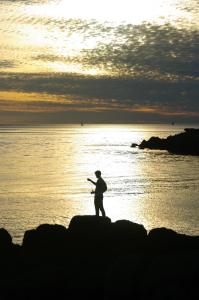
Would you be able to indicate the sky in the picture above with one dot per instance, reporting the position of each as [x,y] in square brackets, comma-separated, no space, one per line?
[112,61]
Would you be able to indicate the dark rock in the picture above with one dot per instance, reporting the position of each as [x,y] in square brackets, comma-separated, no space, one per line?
[5,239]
[126,277]
[126,237]
[94,226]
[100,259]
[169,240]
[163,240]
[162,234]
[166,276]
[185,143]
[133,145]
[191,130]
[9,257]
[153,143]
[128,230]
[30,238]
[173,275]
[46,236]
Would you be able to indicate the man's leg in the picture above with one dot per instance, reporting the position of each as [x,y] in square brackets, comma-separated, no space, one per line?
[101,207]
[96,207]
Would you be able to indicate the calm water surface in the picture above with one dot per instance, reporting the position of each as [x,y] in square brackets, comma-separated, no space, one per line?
[43,173]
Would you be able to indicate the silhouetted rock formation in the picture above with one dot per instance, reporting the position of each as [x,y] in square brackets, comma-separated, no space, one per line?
[185,143]
[98,259]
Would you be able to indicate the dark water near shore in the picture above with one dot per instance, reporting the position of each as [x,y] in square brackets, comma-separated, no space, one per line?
[43,173]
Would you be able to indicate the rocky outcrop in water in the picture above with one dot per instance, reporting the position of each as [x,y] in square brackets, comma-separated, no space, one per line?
[98,259]
[185,143]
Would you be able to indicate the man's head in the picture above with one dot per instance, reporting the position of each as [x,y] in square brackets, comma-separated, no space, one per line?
[98,174]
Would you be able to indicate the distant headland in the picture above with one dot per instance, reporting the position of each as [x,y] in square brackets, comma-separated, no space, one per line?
[185,143]
[95,258]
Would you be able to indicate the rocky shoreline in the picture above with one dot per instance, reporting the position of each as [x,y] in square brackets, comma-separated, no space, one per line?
[185,143]
[95,258]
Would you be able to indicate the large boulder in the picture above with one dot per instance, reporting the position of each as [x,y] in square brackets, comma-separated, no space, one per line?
[168,240]
[128,230]
[89,226]
[126,236]
[89,237]
[162,235]
[46,236]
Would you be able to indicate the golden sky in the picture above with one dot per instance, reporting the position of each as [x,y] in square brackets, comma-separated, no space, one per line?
[139,57]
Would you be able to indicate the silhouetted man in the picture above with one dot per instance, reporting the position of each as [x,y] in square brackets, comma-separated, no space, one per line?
[101,187]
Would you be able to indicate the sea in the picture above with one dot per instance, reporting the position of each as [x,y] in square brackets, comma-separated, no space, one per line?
[44,171]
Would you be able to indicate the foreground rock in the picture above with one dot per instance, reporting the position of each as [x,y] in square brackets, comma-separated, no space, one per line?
[185,143]
[98,259]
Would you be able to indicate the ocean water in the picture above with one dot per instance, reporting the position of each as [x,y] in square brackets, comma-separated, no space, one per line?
[43,172]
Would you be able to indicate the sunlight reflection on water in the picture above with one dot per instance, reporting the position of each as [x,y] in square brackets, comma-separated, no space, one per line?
[43,173]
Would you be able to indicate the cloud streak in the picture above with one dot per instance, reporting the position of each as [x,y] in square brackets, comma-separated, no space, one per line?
[150,50]
[6,64]
[71,92]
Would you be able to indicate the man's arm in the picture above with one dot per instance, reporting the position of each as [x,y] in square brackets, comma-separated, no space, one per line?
[91,181]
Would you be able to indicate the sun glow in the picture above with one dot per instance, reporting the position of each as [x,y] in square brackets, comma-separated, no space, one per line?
[73,36]
[132,11]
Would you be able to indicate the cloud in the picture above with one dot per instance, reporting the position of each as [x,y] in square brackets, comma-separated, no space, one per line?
[153,50]
[72,92]
[148,50]
[6,64]
[25,1]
